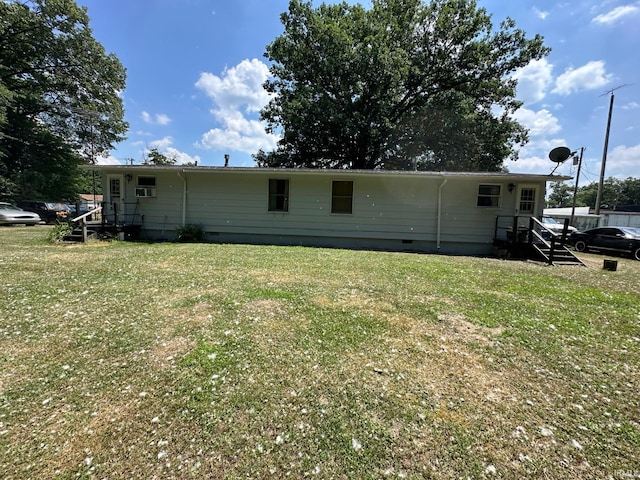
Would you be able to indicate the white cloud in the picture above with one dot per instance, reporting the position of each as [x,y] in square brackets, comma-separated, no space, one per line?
[239,134]
[109,160]
[588,77]
[616,14]
[181,157]
[162,143]
[622,160]
[540,14]
[534,156]
[237,95]
[239,86]
[162,119]
[631,106]
[159,119]
[531,164]
[533,80]
[164,146]
[539,123]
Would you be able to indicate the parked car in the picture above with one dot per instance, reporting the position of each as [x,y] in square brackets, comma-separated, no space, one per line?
[48,211]
[12,215]
[608,239]
[555,226]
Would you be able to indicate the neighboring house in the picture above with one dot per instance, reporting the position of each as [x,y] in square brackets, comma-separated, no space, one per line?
[89,201]
[391,210]
[620,218]
[583,219]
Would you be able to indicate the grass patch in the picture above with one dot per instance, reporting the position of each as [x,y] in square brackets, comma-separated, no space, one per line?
[127,360]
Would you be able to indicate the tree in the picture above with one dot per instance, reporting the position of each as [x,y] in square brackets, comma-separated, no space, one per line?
[615,192]
[561,195]
[154,157]
[630,192]
[404,84]
[59,102]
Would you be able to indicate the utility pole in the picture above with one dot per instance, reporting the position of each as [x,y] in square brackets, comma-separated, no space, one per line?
[606,147]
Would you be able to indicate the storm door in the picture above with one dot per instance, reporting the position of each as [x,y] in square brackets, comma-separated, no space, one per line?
[115,199]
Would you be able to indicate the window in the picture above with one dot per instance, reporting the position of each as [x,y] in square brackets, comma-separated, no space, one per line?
[342,196]
[114,187]
[146,186]
[278,195]
[488,195]
[527,201]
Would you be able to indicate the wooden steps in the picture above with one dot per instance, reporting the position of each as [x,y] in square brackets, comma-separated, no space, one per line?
[559,255]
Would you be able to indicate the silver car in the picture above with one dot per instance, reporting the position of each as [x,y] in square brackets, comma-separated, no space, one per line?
[555,226]
[12,215]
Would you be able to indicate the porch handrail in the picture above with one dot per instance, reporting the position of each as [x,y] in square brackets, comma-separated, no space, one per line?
[85,215]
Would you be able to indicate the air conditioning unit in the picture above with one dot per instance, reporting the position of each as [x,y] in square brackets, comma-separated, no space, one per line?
[144,192]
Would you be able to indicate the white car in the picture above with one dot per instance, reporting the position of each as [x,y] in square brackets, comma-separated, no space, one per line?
[12,215]
[555,226]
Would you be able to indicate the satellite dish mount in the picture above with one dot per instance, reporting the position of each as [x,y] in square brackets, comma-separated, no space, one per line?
[559,155]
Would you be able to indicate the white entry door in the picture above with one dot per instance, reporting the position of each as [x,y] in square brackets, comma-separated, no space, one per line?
[527,201]
[115,196]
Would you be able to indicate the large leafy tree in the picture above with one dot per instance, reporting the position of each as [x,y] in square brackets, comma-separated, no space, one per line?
[59,98]
[615,192]
[561,195]
[403,84]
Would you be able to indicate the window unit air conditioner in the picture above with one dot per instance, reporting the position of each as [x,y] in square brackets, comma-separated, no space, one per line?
[145,192]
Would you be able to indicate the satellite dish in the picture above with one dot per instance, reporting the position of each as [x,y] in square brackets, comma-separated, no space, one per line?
[559,154]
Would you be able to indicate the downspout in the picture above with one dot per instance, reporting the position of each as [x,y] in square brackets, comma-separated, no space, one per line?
[444,182]
[184,199]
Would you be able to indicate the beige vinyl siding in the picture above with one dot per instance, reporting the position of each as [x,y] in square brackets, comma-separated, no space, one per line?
[400,207]
[239,204]
[463,220]
[162,212]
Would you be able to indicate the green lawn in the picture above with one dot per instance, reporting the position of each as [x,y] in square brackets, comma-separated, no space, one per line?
[133,360]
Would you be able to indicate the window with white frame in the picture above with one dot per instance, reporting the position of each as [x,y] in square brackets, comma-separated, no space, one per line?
[342,196]
[278,195]
[488,195]
[146,186]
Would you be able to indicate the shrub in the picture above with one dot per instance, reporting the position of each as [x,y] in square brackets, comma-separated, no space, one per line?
[61,228]
[190,233]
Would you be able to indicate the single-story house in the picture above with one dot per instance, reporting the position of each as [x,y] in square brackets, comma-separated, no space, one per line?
[373,209]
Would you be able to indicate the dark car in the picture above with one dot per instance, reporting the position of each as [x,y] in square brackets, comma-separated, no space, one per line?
[48,211]
[608,239]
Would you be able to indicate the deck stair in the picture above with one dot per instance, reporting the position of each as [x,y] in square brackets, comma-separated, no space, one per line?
[77,235]
[81,232]
[532,240]
[555,253]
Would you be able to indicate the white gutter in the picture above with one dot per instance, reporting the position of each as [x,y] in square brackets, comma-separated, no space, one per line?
[444,182]
[184,200]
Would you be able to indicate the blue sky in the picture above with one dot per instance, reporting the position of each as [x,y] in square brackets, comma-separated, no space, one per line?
[195,70]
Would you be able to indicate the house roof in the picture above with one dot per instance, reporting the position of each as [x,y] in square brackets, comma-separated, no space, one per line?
[332,172]
[89,197]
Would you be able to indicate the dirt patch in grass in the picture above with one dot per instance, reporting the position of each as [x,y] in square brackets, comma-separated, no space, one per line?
[467,331]
[272,322]
[166,352]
